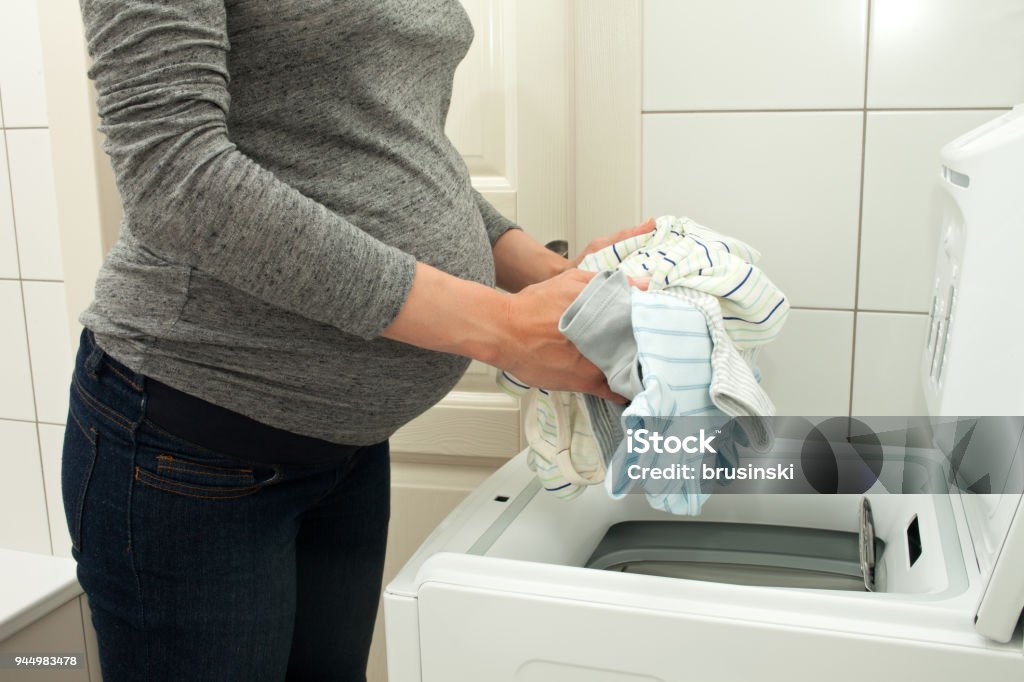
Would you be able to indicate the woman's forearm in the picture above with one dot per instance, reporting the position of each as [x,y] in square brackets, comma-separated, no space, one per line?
[452,315]
[514,332]
[520,260]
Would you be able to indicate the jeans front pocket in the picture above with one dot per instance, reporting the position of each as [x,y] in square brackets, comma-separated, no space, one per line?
[190,472]
[77,463]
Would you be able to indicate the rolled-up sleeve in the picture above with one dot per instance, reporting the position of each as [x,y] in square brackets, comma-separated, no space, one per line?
[495,222]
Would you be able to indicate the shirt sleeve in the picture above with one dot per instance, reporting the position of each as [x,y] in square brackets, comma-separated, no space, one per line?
[193,198]
[495,222]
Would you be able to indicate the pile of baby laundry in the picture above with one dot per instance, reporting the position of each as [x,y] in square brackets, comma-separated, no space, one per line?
[686,347]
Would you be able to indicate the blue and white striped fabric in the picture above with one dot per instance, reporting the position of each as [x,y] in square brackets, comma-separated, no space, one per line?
[674,350]
[681,253]
[707,312]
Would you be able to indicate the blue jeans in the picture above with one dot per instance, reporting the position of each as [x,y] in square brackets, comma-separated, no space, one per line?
[200,566]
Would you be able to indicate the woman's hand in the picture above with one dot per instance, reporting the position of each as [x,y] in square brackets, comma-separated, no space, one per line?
[514,332]
[535,352]
[605,242]
[520,260]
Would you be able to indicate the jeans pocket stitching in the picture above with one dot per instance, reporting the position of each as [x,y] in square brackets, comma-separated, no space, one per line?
[89,433]
[163,458]
[121,374]
[117,419]
[201,472]
[83,488]
[213,493]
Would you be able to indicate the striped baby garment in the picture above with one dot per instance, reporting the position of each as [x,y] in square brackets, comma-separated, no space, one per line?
[682,253]
[707,312]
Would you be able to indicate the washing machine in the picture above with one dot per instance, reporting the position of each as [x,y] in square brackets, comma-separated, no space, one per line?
[887,583]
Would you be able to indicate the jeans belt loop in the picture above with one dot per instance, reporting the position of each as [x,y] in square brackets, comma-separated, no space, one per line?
[92,363]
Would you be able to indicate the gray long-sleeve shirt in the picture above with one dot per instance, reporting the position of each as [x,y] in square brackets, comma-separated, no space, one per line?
[282,165]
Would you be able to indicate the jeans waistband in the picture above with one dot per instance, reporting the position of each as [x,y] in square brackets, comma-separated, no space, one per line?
[219,429]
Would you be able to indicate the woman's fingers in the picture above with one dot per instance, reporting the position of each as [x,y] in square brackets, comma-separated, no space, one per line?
[642,228]
[603,242]
[641,283]
[622,235]
[607,393]
[578,275]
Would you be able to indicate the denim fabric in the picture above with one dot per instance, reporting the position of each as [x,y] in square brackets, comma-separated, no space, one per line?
[200,566]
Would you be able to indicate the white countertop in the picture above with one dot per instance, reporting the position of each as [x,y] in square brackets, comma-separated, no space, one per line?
[32,585]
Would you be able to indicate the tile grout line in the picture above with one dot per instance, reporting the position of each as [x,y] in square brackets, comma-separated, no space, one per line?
[28,345]
[874,311]
[29,421]
[642,7]
[860,208]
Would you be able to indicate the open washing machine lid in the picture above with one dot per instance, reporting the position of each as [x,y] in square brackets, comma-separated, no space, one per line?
[995,520]
[999,609]
[971,365]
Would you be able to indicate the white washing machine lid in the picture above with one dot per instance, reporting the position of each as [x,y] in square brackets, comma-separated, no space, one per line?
[994,449]
[999,609]
[982,171]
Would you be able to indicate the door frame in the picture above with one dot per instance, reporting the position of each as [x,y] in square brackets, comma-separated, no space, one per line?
[608,111]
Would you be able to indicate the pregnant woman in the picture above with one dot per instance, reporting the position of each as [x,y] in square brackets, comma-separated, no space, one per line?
[303,268]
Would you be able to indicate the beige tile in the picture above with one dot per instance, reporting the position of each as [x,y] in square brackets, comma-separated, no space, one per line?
[899,232]
[946,53]
[51,442]
[886,369]
[806,371]
[21,65]
[35,204]
[15,378]
[789,183]
[50,346]
[8,247]
[738,54]
[23,521]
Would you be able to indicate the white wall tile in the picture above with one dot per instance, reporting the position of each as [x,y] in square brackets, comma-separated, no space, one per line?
[744,54]
[21,65]
[806,371]
[8,250]
[946,53]
[23,520]
[50,346]
[886,368]
[51,442]
[788,183]
[15,378]
[35,204]
[899,235]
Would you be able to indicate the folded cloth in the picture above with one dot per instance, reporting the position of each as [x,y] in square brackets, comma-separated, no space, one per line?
[674,350]
[599,323]
[562,449]
[731,309]
[735,387]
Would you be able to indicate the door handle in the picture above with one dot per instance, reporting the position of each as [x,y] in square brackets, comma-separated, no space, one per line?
[559,246]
